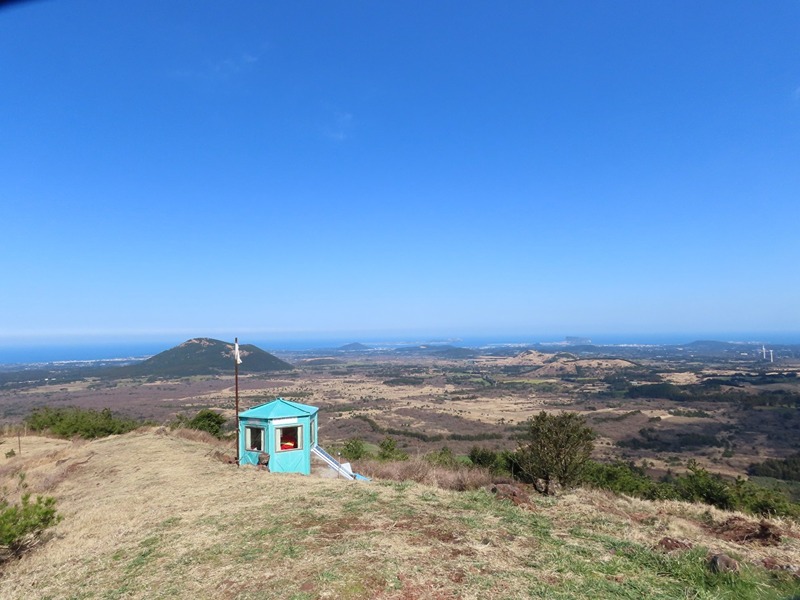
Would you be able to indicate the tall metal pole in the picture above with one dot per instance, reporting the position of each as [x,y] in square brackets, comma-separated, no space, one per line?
[236,377]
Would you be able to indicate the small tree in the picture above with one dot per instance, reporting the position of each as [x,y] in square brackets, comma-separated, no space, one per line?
[555,449]
[22,524]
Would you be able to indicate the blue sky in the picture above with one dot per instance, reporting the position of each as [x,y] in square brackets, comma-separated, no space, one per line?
[278,169]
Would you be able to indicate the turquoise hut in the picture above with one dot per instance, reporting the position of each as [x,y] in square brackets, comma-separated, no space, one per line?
[287,431]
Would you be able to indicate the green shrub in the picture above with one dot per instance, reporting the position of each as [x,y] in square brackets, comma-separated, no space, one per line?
[207,420]
[698,485]
[475,437]
[625,478]
[442,458]
[390,451]
[405,381]
[483,457]
[85,423]
[786,468]
[21,523]
[436,437]
[555,448]
[354,449]
[498,463]
[759,500]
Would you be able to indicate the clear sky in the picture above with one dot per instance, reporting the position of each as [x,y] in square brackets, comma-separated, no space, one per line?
[272,168]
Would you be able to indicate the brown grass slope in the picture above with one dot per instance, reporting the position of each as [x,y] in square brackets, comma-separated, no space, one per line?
[564,364]
[153,515]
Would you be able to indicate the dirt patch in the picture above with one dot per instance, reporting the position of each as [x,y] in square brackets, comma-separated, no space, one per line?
[668,544]
[684,378]
[335,528]
[515,493]
[737,529]
[773,565]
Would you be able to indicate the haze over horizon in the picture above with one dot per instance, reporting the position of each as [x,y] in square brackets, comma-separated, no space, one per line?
[94,348]
[348,171]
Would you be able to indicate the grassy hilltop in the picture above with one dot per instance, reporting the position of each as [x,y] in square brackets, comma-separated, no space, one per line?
[154,514]
[203,356]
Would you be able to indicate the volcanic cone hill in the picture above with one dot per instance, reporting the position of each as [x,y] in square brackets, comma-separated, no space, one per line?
[204,356]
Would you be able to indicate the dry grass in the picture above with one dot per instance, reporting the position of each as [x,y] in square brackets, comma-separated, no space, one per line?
[419,470]
[153,515]
[451,400]
[196,435]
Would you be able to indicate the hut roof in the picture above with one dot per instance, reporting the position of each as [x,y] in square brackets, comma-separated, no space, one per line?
[279,409]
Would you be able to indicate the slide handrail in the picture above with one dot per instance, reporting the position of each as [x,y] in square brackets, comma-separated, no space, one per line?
[332,462]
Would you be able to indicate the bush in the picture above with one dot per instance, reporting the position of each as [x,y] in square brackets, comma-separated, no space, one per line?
[405,381]
[698,485]
[21,524]
[70,422]
[474,437]
[483,457]
[442,458]
[390,451]
[762,501]
[497,463]
[787,468]
[625,478]
[667,391]
[209,421]
[354,449]
[555,449]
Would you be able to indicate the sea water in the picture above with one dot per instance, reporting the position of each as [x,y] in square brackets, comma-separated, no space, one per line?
[27,352]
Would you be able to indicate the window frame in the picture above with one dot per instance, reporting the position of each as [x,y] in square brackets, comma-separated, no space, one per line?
[248,438]
[279,437]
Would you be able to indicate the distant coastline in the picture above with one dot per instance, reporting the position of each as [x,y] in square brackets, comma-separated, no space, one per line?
[30,352]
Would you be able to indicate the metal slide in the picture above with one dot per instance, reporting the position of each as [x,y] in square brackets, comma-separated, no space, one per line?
[343,470]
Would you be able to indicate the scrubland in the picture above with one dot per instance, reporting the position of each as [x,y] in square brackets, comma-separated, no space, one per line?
[157,514]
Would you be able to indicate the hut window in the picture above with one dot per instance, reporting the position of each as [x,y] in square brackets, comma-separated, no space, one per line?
[289,438]
[254,438]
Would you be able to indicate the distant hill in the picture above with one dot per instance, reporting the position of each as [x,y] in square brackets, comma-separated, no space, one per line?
[566,364]
[354,347]
[529,357]
[203,356]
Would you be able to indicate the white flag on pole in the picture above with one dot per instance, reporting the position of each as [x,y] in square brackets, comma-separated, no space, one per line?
[236,355]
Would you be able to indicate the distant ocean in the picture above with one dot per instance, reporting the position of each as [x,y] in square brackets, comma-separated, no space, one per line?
[77,352]
[87,351]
